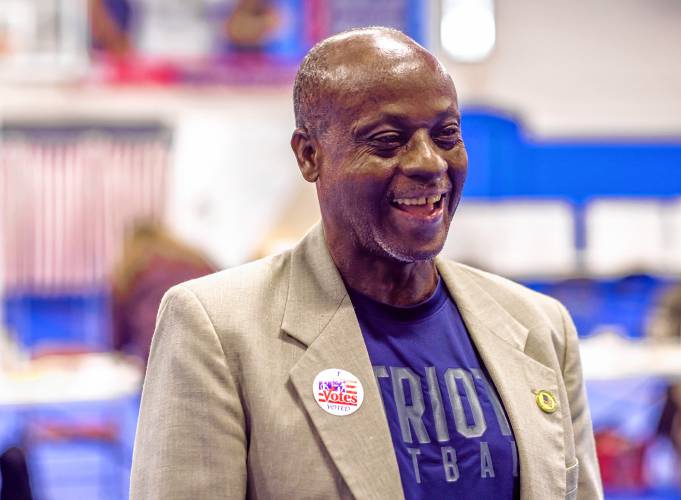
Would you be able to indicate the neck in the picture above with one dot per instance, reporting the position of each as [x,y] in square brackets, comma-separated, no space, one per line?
[382,278]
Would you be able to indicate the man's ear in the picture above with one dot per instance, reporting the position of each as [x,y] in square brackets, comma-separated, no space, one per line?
[305,149]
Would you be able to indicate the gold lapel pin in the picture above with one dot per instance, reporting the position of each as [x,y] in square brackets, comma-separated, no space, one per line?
[546,401]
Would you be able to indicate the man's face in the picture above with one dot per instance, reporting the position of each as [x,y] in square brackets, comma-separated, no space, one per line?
[392,163]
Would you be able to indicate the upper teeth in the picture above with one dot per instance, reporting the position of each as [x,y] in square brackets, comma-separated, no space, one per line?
[419,201]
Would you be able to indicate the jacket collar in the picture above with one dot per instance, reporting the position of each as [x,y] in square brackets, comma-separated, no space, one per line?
[316,291]
[473,300]
[316,288]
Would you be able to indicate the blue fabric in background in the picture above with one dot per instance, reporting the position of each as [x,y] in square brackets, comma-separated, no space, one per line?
[505,163]
[78,321]
[621,304]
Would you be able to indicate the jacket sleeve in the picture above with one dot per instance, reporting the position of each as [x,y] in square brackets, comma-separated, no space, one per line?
[191,439]
[589,485]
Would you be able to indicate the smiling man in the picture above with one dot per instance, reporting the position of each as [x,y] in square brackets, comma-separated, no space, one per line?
[379,133]
[359,364]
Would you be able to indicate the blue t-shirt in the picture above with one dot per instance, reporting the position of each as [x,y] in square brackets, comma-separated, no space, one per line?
[450,432]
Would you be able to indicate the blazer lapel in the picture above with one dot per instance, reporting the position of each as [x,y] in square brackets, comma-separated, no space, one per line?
[500,340]
[319,314]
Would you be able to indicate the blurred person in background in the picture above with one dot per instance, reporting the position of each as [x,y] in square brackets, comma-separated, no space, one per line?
[14,482]
[152,261]
[14,479]
[664,323]
[252,24]
[664,326]
[359,364]
[109,22]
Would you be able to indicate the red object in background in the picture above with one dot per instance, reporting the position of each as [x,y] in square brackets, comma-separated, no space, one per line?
[316,15]
[134,70]
[621,461]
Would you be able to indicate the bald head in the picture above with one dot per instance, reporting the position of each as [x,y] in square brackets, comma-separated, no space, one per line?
[348,63]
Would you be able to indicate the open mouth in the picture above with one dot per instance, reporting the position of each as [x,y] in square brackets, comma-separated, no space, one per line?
[424,206]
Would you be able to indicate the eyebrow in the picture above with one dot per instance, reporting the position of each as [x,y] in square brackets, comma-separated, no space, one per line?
[362,127]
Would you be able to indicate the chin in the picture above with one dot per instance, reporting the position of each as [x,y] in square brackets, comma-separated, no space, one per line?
[409,254]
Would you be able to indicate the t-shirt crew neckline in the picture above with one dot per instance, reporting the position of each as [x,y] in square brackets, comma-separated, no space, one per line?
[389,312]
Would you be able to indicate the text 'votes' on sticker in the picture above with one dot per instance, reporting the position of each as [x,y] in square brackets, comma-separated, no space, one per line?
[337,391]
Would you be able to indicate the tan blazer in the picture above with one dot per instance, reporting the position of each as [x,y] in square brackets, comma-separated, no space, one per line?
[228,408]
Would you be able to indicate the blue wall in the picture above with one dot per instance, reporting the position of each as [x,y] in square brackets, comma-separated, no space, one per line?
[504,162]
[79,321]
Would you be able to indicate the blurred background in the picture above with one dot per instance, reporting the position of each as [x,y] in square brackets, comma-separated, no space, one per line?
[145,142]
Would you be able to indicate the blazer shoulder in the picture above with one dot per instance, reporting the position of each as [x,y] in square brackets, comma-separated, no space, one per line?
[239,294]
[261,273]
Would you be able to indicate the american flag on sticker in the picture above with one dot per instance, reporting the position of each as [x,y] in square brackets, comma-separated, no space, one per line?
[340,386]
[338,392]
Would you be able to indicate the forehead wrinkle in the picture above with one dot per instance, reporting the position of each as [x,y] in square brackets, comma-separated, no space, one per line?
[355,76]
[370,61]
[371,88]
[369,53]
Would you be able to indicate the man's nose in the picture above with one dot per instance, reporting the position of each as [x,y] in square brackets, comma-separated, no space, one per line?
[422,157]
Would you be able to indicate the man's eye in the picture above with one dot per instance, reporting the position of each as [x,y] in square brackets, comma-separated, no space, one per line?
[387,139]
[447,137]
[449,132]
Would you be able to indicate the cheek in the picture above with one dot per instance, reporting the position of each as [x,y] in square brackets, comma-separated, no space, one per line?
[362,192]
[355,181]
[459,155]
[367,173]
[371,184]
[458,166]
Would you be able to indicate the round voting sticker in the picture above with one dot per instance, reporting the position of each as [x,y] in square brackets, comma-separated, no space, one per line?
[338,392]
